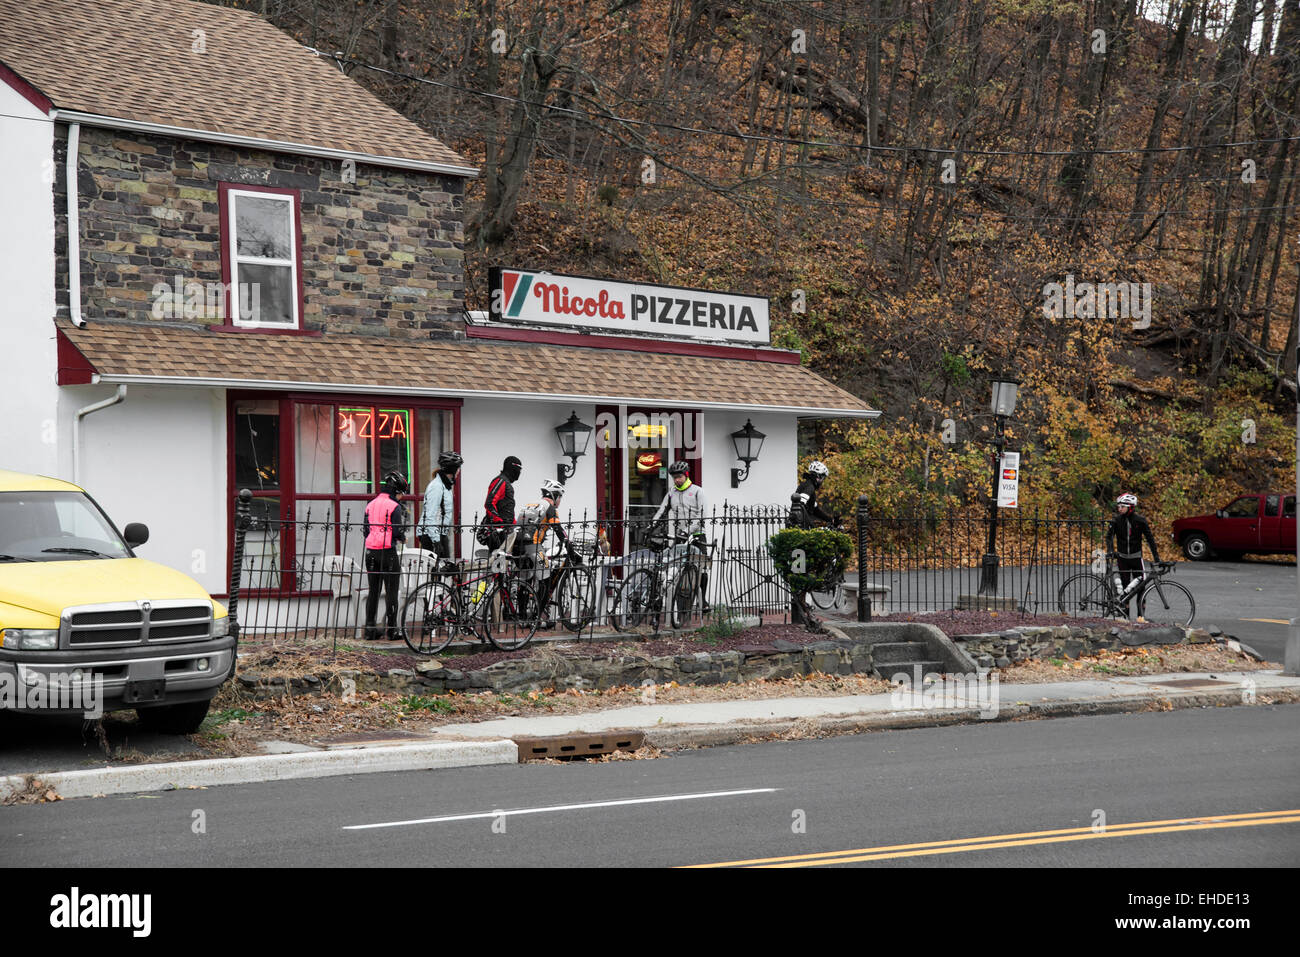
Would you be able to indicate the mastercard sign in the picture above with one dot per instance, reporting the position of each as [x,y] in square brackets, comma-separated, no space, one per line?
[1009,482]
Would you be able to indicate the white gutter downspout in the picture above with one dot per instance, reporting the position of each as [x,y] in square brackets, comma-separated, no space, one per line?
[74,240]
[76,426]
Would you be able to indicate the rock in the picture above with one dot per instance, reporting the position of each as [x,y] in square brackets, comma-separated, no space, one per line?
[1003,662]
[1198,636]
[984,661]
[780,644]
[1074,648]
[1164,635]
[428,667]
[1214,630]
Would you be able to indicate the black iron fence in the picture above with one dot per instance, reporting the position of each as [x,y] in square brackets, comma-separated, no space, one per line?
[307,578]
[925,562]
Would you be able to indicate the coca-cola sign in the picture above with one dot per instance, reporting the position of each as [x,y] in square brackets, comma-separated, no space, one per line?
[520,297]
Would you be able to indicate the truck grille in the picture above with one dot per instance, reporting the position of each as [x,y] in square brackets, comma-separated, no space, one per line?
[127,623]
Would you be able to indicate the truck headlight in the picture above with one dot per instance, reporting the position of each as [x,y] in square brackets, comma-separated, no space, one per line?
[31,639]
[220,627]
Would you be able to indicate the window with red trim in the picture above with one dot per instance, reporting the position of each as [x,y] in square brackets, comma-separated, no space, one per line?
[261,257]
[312,463]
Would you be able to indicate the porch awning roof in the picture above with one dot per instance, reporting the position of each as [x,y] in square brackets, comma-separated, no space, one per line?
[164,354]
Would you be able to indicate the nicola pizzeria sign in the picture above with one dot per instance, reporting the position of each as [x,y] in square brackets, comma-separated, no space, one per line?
[540,298]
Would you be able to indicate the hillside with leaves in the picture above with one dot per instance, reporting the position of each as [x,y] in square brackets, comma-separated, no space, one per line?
[904,180]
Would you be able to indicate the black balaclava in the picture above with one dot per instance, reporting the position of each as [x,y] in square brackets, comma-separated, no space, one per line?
[511,468]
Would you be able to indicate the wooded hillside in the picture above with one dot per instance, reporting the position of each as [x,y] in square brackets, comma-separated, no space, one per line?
[906,180]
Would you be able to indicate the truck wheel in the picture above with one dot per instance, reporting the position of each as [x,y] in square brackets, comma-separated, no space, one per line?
[174,718]
[1196,547]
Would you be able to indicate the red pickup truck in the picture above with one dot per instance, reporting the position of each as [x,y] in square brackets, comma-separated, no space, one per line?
[1263,523]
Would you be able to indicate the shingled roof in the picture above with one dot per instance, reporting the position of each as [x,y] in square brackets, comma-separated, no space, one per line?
[162,354]
[133,60]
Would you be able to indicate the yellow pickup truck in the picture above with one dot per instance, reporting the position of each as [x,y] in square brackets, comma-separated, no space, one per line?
[86,627]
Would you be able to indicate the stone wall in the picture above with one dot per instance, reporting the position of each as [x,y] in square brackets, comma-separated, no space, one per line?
[781,659]
[999,649]
[381,256]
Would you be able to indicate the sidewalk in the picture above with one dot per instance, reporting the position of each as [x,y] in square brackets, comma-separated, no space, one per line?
[671,726]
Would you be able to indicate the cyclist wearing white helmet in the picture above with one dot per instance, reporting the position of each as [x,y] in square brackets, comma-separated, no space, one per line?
[538,521]
[1124,540]
[803,503]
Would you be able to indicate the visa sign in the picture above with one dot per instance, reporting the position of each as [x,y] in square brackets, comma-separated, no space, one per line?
[1009,480]
[639,309]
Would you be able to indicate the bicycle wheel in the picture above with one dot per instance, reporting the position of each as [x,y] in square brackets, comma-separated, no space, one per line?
[827,600]
[1086,596]
[686,591]
[510,614]
[637,601]
[574,602]
[430,618]
[1167,603]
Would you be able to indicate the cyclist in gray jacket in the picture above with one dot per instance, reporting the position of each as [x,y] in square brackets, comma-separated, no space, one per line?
[685,504]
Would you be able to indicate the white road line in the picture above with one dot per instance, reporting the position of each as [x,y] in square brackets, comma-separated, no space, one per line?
[560,807]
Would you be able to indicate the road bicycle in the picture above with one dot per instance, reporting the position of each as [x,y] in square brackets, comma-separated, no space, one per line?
[641,597]
[1158,600]
[499,606]
[687,591]
[568,595]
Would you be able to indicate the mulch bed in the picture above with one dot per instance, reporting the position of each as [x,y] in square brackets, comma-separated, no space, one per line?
[985,622]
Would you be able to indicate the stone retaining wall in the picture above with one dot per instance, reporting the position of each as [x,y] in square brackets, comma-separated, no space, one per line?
[999,649]
[781,659]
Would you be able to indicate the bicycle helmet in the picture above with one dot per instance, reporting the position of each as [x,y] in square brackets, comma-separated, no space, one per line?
[1128,498]
[552,488]
[679,468]
[395,483]
[818,471]
[450,461]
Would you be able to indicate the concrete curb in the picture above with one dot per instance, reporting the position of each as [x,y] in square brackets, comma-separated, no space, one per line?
[468,753]
[268,767]
[707,736]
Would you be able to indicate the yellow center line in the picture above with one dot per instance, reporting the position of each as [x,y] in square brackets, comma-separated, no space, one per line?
[1017,840]
[1271,621]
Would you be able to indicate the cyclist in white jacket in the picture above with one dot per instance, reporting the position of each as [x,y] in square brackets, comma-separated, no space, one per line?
[436,517]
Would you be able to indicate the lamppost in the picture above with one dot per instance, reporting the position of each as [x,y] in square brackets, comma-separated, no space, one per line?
[748,441]
[569,434]
[1003,405]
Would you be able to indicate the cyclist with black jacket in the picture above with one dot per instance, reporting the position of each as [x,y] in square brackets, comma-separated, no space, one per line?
[499,506]
[1124,538]
[803,503]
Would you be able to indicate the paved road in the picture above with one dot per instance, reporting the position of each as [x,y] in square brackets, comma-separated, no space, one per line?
[1239,597]
[720,805]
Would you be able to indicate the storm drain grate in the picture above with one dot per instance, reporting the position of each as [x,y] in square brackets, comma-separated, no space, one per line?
[578,745]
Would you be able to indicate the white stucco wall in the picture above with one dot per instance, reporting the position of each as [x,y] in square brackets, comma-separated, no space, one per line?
[771,479]
[159,457]
[31,437]
[492,429]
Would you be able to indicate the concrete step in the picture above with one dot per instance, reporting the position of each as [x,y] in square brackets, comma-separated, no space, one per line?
[908,669]
[888,652]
